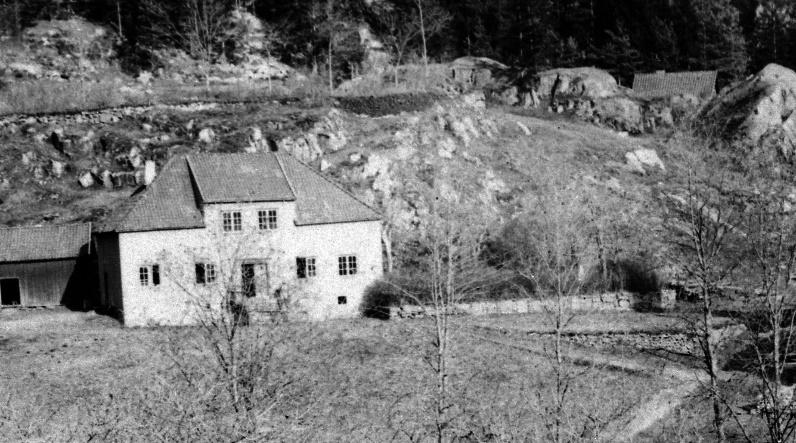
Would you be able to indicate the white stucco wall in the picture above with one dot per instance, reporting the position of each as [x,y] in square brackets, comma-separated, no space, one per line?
[174,300]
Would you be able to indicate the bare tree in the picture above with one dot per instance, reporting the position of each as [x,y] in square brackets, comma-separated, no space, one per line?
[772,243]
[332,22]
[442,266]
[704,224]
[431,20]
[554,245]
[197,26]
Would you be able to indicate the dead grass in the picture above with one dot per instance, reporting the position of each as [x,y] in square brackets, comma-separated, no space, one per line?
[68,374]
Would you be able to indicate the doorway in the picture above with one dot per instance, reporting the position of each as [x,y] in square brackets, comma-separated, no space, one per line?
[254,279]
[9,292]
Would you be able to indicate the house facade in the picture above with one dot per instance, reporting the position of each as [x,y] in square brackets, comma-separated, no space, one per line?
[45,265]
[262,229]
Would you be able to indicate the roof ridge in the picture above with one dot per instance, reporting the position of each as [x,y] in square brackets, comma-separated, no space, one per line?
[192,177]
[335,184]
[284,174]
[61,225]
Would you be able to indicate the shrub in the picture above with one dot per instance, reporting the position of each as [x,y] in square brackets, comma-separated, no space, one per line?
[627,274]
[379,298]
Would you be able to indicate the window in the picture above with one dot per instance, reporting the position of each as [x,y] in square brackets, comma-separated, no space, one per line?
[305,267]
[149,273]
[205,273]
[267,219]
[231,221]
[342,300]
[143,275]
[347,265]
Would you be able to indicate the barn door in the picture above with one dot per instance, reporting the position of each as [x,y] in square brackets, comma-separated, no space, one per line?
[9,291]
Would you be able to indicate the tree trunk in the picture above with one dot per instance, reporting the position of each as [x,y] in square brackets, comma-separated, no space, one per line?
[331,79]
[423,38]
[712,365]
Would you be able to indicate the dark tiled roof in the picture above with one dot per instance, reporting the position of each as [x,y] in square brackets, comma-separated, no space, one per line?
[172,202]
[319,200]
[168,203]
[27,243]
[661,84]
[225,178]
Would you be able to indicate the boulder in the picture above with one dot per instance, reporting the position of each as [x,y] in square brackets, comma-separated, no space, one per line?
[57,168]
[86,179]
[755,110]
[641,160]
[475,99]
[623,113]
[586,81]
[509,97]
[207,135]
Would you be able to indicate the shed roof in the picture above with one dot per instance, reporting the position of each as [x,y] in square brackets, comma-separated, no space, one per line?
[29,243]
[174,199]
[661,84]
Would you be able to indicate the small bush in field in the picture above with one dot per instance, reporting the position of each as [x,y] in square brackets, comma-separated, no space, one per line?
[378,299]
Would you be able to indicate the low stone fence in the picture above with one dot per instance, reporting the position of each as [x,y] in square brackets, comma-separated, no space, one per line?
[612,301]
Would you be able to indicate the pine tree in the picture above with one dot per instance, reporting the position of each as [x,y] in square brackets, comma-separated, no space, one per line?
[775,33]
[718,41]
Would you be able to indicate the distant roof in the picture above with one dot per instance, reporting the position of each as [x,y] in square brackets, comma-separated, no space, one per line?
[173,200]
[661,84]
[28,243]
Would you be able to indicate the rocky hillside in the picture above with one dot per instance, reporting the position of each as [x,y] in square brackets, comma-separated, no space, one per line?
[757,112]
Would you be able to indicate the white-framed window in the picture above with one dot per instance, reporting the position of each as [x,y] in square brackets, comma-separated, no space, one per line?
[205,273]
[149,274]
[231,221]
[305,267]
[267,218]
[347,264]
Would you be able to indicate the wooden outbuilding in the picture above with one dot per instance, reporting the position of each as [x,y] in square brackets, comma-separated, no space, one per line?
[46,265]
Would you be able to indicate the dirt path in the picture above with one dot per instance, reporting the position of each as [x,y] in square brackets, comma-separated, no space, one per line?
[685,382]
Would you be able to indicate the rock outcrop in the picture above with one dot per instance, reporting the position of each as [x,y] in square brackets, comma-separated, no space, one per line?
[581,82]
[757,111]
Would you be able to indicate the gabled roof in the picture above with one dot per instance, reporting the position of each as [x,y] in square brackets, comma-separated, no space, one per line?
[319,200]
[174,199]
[224,178]
[662,84]
[168,203]
[29,243]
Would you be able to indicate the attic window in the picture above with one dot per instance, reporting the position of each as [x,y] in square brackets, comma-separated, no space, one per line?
[267,219]
[231,221]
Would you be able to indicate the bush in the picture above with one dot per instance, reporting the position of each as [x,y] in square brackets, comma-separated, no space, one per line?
[379,298]
[632,275]
[375,106]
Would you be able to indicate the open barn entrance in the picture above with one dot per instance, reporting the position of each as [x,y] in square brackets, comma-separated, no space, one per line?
[9,291]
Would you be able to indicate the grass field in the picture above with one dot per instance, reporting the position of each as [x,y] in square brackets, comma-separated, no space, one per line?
[73,376]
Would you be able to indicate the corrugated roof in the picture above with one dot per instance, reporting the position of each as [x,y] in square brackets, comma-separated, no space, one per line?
[661,84]
[172,201]
[319,200]
[28,243]
[168,203]
[225,178]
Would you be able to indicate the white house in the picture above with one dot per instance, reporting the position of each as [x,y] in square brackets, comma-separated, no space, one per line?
[264,227]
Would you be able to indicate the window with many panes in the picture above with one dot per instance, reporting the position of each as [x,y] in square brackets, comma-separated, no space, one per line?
[305,267]
[231,221]
[267,218]
[347,265]
[205,273]
[149,274]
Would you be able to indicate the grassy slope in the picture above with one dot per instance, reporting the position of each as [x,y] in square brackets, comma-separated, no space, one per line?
[349,376]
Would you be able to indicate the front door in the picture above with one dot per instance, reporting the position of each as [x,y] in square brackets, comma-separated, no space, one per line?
[254,279]
[9,291]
